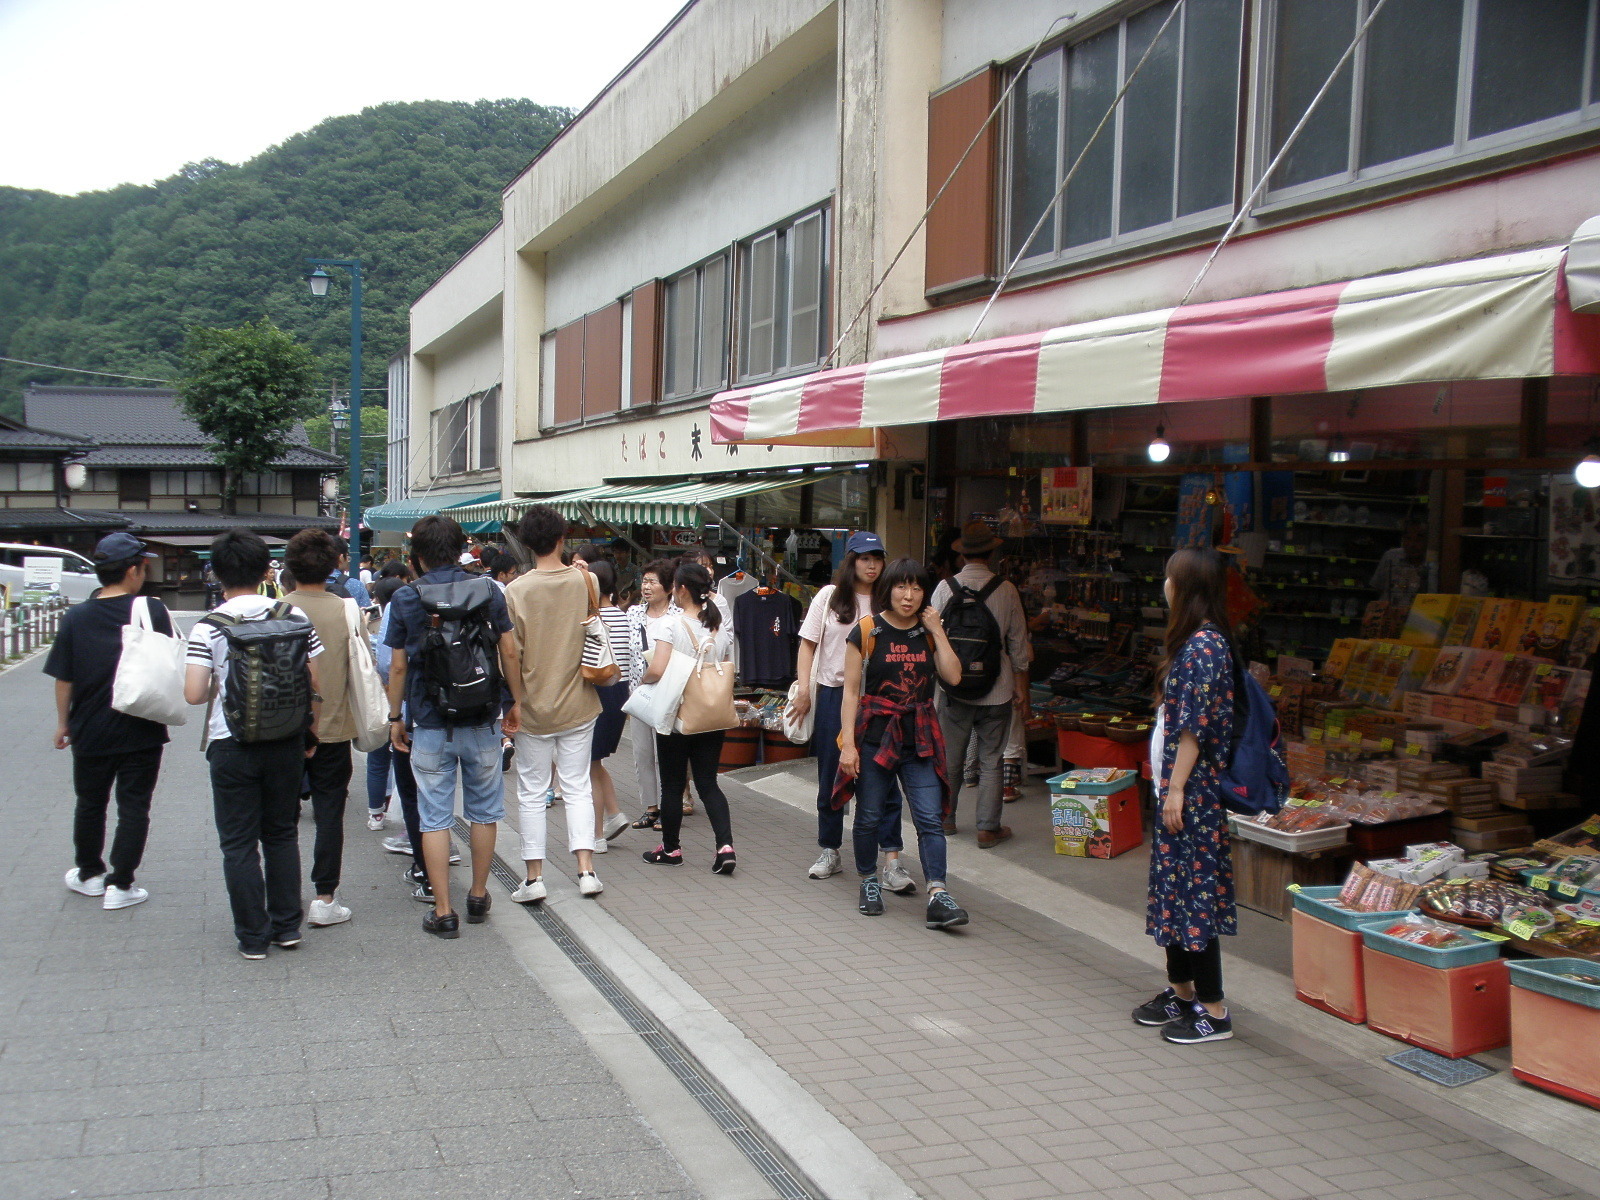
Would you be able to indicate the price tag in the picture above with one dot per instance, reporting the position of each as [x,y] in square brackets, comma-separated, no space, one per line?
[1386,744]
[1542,669]
[1314,734]
[1490,937]
[1291,550]
[1350,583]
[1587,921]
[1591,826]
[1294,887]
[1388,795]
[1275,691]
[1339,782]
[1413,749]
[1294,802]
[1521,929]
[1540,883]
[1567,889]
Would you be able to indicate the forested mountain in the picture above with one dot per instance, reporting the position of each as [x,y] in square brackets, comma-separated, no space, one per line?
[111,280]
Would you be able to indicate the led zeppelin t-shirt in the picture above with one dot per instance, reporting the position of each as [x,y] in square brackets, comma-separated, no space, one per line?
[901,669]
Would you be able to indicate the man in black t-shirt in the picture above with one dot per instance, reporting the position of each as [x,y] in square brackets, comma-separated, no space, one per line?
[108,747]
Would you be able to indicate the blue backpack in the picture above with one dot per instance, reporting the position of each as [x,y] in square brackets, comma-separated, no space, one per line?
[1255,779]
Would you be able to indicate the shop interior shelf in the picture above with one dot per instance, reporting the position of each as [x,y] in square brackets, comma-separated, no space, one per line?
[1309,554]
[1347,525]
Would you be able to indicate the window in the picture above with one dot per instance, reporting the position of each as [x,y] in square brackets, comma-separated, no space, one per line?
[783,276]
[1166,156]
[35,477]
[488,419]
[450,439]
[695,338]
[305,485]
[133,487]
[1433,80]
[102,481]
[466,434]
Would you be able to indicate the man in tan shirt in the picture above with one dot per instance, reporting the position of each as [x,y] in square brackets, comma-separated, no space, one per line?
[312,556]
[549,605]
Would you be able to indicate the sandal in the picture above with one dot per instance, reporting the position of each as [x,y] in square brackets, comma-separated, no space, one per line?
[688,808]
[649,819]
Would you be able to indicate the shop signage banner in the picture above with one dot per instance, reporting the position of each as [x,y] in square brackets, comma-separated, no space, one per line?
[1240,491]
[674,539]
[1194,513]
[1066,495]
[1574,530]
[41,578]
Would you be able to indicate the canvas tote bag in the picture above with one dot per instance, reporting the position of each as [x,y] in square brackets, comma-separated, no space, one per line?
[369,705]
[600,667]
[149,679]
[708,694]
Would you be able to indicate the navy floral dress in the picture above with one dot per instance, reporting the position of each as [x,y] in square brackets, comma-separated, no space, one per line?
[1191,873]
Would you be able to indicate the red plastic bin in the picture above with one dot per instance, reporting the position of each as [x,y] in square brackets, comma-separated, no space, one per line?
[1555,1045]
[1328,970]
[1453,1011]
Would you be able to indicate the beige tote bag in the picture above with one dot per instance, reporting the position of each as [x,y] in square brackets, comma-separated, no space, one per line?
[708,695]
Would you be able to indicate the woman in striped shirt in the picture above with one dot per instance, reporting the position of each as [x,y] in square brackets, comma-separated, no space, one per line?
[608,819]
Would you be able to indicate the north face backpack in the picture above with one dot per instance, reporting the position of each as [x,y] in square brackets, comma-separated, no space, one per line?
[1256,777]
[461,651]
[975,637]
[267,691]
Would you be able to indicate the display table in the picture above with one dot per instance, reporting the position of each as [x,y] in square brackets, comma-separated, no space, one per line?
[1086,750]
[1262,874]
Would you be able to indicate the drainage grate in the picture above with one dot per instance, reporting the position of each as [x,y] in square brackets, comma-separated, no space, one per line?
[684,1068]
[1450,1072]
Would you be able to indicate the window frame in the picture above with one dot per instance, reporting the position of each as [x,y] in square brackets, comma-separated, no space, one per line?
[782,230]
[1464,155]
[668,310]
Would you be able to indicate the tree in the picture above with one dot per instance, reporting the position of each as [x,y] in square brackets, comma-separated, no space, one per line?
[374,446]
[246,387]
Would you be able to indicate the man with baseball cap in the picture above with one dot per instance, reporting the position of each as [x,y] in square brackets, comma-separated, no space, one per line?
[109,748]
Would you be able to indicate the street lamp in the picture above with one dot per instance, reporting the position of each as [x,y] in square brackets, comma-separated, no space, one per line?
[318,279]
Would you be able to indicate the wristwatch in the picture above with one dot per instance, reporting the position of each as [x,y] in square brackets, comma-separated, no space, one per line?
[393,717]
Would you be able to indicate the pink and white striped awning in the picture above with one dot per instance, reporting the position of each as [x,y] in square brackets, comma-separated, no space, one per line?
[1493,318]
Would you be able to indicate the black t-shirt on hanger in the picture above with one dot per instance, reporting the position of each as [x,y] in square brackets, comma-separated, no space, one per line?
[766,625]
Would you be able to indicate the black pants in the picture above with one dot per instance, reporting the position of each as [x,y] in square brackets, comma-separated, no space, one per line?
[1203,968]
[406,784]
[329,772]
[255,797]
[134,774]
[677,755]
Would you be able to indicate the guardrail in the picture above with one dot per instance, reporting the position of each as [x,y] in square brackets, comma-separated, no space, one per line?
[26,627]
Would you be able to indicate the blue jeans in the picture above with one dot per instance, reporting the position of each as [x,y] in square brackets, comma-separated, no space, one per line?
[876,802]
[438,756]
[825,744]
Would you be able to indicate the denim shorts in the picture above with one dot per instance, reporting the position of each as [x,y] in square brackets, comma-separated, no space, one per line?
[438,756]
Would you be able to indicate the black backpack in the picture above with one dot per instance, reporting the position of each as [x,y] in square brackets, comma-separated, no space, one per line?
[267,696]
[975,637]
[461,651]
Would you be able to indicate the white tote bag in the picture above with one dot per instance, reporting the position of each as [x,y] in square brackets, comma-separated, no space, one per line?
[656,704]
[798,729]
[369,705]
[149,679]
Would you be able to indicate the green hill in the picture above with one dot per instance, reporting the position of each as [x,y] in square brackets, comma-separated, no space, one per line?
[111,280]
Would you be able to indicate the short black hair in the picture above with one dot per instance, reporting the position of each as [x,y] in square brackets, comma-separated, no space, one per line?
[590,553]
[542,529]
[312,555]
[339,542]
[112,573]
[366,558]
[437,541]
[901,570]
[393,569]
[499,564]
[662,569]
[240,558]
[605,575]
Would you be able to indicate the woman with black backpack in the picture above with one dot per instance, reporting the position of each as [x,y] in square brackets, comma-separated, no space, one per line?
[1191,870]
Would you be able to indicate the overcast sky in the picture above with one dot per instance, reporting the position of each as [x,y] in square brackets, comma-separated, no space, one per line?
[100,92]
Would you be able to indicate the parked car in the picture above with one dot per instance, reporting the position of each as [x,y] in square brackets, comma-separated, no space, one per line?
[78,581]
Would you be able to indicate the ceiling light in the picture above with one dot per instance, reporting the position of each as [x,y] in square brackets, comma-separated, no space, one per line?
[1587,472]
[1338,449]
[1159,450]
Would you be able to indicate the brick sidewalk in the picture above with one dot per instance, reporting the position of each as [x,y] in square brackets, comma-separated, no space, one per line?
[141,1056]
[999,1061]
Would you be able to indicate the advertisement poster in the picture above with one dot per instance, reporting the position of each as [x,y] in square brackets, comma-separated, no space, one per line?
[1066,495]
[1239,493]
[41,578]
[1277,500]
[1574,530]
[1194,513]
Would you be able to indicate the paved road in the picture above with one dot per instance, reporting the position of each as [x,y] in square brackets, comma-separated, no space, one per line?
[140,1055]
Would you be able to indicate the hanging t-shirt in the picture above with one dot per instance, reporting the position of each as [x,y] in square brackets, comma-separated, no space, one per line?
[901,669]
[735,585]
[767,628]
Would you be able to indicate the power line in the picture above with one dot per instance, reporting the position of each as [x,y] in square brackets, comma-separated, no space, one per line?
[81,371]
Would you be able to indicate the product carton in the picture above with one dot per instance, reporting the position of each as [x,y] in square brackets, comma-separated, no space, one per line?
[1429,620]
[1497,839]
[1464,624]
[1339,657]
[1529,619]
[1556,625]
[1448,669]
[1481,676]
[1585,638]
[1496,625]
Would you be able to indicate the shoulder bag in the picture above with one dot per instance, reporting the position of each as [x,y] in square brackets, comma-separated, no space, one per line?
[707,703]
[369,704]
[656,704]
[149,678]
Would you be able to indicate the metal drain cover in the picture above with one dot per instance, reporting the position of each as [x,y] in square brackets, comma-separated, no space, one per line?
[1449,1072]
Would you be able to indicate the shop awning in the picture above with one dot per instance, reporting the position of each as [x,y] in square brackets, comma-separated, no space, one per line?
[1505,317]
[674,505]
[398,516]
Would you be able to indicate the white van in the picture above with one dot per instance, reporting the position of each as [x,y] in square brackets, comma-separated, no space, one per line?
[78,580]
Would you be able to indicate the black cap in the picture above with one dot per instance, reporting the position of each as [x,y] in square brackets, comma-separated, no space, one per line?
[121,547]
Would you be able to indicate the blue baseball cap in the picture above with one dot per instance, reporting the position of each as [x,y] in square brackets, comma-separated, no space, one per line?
[121,547]
[864,541]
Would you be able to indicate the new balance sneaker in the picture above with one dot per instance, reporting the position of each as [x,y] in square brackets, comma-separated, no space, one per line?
[724,863]
[589,884]
[124,897]
[871,902]
[397,845]
[376,819]
[827,864]
[1164,1008]
[944,912]
[600,846]
[895,878]
[252,954]
[422,892]
[93,886]
[531,892]
[327,912]
[662,857]
[616,825]
[1197,1025]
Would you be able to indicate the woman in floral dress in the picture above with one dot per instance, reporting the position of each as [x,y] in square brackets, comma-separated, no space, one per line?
[1191,870]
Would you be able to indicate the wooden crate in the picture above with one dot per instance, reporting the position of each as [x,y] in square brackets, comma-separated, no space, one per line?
[1262,874]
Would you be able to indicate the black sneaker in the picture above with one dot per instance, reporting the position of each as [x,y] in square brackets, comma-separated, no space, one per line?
[1197,1025]
[252,953]
[478,908]
[725,862]
[944,912]
[871,904]
[1164,1008]
[663,857]
[507,753]
[422,892]
[447,926]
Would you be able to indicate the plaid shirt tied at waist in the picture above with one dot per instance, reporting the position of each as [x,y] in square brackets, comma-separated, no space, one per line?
[926,741]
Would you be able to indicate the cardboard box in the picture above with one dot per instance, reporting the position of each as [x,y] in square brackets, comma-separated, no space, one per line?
[1465,621]
[1429,619]
[1543,802]
[1500,820]
[1498,839]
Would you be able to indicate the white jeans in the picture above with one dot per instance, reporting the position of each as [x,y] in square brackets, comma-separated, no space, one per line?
[566,756]
[644,762]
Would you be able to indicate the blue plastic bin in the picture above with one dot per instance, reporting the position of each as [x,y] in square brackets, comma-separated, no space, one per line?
[1313,902]
[1481,951]
[1574,979]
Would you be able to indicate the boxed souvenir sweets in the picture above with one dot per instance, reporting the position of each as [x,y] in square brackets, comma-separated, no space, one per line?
[1464,621]
[1498,839]
[1496,624]
[1509,781]
[1429,620]
[1542,803]
[1449,666]
[1094,812]
[1585,640]
[1548,636]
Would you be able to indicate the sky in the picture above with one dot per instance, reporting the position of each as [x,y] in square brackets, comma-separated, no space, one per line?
[100,92]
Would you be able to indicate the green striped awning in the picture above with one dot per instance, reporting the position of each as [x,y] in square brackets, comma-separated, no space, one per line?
[398,516]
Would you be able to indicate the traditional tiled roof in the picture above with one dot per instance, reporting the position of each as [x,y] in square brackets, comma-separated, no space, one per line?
[24,439]
[61,519]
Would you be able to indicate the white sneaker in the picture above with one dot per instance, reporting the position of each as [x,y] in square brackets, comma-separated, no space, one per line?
[397,845]
[589,884]
[329,912]
[600,846]
[827,864]
[95,886]
[895,878]
[124,897]
[376,819]
[531,892]
[616,825]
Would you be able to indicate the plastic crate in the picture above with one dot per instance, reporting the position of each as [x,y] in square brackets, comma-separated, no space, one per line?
[1313,902]
[1559,891]
[1576,980]
[1481,951]
[1311,839]
[1067,784]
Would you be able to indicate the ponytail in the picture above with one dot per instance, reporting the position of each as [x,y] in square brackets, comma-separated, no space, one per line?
[696,580]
